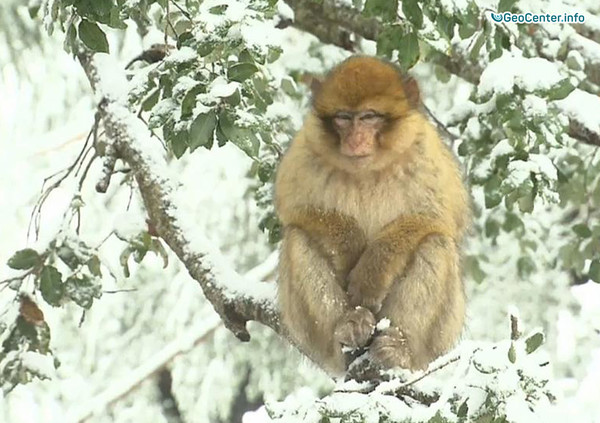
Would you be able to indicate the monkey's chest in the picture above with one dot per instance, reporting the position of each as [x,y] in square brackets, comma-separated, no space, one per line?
[373,205]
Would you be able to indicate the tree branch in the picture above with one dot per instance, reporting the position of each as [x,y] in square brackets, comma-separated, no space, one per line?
[330,22]
[236,299]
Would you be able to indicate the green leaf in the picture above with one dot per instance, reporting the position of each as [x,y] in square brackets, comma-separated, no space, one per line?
[243,138]
[465,30]
[51,285]
[561,90]
[533,342]
[189,100]
[408,50]
[202,130]
[594,272]
[274,54]
[245,56]
[93,265]
[93,37]
[413,12]
[218,10]
[505,5]
[115,20]
[24,259]
[445,25]
[288,86]
[265,171]
[477,46]
[33,10]
[492,228]
[491,189]
[234,99]
[179,143]
[158,249]
[582,230]
[384,9]
[474,269]
[463,410]
[526,202]
[241,71]
[151,100]
[124,260]
[525,266]
[442,74]
[387,40]
[82,290]
[512,221]
[512,353]
[185,39]
[70,39]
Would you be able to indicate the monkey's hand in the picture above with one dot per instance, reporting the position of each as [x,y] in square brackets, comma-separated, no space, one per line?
[363,288]
[355,328]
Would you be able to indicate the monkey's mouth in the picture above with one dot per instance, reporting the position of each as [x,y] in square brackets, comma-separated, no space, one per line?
[358,158]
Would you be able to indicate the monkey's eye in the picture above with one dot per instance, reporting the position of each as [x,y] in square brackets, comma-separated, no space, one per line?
[371,115]
[343,116]
[342,119]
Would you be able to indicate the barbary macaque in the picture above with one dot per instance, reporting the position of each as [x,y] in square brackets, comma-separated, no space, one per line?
[373,209]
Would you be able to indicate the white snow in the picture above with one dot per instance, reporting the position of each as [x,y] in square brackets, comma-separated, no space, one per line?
[183,55]
[383,324]
[584,108]
[220,87]
[530,74]
[39,363]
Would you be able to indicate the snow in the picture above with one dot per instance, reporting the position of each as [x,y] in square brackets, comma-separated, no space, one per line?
[220,87]
[183,55]
[588,48]
[383,324]
[582,107]
[530,74]
[502,148]
[535,106]
[39,363]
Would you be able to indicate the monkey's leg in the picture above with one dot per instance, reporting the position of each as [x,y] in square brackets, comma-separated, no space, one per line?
[312,300]
[425,306]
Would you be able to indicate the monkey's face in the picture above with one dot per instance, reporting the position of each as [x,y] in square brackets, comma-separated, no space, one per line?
[358,132]
[363,115]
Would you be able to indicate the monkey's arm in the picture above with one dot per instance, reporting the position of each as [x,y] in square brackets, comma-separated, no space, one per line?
[387,256]
[337,237]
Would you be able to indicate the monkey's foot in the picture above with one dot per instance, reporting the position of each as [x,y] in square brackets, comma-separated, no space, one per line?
[355,328]
[390,349]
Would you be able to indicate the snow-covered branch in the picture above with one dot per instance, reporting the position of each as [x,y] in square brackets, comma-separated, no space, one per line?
[235,298]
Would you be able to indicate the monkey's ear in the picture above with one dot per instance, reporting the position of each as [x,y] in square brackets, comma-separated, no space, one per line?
[314,83]
[411,89]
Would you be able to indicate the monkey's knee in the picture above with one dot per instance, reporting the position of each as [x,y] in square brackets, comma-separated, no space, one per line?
[392,348]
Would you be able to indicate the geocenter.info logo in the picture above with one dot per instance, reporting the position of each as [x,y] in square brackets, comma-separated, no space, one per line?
[537,17]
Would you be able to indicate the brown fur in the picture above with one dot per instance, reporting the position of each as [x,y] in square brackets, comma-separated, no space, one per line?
[380,233]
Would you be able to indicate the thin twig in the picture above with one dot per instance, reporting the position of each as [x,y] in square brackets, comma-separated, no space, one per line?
[182,10]
[427,373]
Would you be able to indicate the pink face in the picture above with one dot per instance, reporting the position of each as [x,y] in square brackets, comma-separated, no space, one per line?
[358,131]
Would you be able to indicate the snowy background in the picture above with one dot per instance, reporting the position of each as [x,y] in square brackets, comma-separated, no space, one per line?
[153,337]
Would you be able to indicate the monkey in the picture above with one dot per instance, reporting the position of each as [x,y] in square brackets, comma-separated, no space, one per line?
[373,210]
